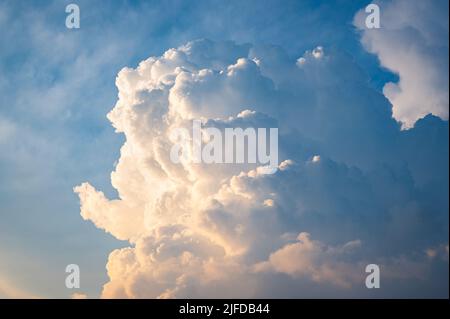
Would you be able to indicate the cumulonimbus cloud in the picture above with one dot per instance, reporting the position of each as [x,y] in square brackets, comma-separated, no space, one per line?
[216,230]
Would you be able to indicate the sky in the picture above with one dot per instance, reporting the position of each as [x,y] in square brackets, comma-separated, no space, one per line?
[85,117]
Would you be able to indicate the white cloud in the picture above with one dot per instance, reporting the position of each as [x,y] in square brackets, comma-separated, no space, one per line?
[313,259]
[316,158]
[413,43]
[198,230]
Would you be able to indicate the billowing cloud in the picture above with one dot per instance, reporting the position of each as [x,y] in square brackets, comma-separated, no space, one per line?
[343,196]
[312,258]
[412,42]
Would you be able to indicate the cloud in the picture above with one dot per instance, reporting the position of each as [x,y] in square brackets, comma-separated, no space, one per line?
[312,258]
[412,42]
[11,291]
[215,230]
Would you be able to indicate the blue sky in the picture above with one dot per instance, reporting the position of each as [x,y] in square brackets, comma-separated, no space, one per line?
[57,85]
